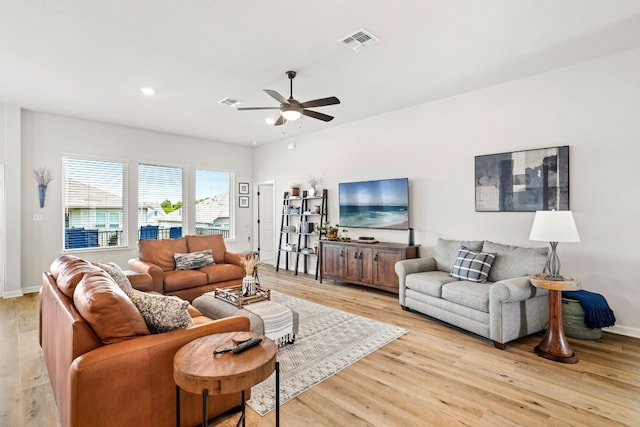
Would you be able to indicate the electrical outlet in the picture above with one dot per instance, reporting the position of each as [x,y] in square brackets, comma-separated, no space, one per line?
[38,217]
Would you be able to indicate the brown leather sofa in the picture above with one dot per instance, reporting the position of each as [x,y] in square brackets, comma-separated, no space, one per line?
[129,381]
[156,258]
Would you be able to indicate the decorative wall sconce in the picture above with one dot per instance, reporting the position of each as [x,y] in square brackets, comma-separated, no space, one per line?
[43,176]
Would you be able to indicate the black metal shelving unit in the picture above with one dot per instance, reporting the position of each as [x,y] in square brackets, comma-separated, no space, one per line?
[300,232]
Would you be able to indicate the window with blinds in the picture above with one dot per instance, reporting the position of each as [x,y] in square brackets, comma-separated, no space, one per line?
[213,206]
[95,203]
[160,202]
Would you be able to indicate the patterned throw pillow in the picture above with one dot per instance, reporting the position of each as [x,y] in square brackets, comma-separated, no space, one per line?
[193,260]
[116,273]
[162,313]
[472,266]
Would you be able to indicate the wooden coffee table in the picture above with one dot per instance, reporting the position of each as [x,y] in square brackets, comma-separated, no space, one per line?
[197,370]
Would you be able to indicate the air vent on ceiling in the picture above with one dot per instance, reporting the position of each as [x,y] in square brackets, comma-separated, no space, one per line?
[358,40]
[229,102]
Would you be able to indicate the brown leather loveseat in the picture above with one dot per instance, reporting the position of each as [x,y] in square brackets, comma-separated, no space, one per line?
[157,258]
[106,368]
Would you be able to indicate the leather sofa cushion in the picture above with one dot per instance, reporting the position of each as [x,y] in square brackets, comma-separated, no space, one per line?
[107,309]
[429,282]
[446,251]
[468,294]
[68,270]
[222,272]
[183,279]
[214,242]
[160,252]
[514,261]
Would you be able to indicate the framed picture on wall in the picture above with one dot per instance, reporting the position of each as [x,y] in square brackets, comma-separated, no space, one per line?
[523,181]
[243,188]
[243,201]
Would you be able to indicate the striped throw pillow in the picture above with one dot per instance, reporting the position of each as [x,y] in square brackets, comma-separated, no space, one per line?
[472,266]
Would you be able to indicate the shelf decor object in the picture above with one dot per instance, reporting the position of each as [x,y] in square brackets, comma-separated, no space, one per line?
[43,176]
[523,181]
[554,227]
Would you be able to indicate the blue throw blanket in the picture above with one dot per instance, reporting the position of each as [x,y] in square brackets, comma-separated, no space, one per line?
[597,313]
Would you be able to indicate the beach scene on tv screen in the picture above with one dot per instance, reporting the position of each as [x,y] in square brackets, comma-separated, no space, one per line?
[375,204]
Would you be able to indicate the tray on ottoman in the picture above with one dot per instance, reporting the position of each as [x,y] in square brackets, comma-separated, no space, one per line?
[233,295]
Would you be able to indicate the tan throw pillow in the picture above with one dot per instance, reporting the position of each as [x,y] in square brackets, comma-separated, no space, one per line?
[161,313]
[107,309]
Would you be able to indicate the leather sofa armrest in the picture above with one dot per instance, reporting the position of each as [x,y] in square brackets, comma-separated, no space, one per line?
[140,281]
[156,273]
[139,369]
[514,290]
[232,258]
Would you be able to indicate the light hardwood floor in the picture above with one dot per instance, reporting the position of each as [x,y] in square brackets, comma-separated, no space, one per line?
[434,375]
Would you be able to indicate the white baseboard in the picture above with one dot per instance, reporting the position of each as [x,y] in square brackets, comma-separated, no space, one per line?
[13,294]
[623,330]
[31,290]
[21,292]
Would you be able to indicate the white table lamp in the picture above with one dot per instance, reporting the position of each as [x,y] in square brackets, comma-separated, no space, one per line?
[554,227]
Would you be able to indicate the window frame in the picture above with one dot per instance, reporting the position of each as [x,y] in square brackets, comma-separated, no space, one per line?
[66,216]
[232,194]
[184,170]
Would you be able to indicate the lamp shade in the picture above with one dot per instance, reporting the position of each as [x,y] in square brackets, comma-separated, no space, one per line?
[554,226]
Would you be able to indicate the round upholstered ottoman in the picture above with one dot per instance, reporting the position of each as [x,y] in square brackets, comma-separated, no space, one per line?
[215,308]
[573,321]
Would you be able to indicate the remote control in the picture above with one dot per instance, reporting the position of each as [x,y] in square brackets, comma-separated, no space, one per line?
[241,347]
[246,345]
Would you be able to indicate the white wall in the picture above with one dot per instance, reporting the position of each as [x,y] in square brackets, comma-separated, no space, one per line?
[45,138]
[593,107]
[10,239]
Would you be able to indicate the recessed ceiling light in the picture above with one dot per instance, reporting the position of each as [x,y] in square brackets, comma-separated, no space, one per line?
[269,120]
[147,91]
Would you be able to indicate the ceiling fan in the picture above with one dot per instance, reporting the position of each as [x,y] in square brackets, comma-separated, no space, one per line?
[291,109]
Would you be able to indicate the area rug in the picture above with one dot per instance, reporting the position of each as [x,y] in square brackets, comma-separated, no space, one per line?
[328,341]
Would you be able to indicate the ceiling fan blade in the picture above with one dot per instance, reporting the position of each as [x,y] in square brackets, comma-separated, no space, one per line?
[258,108]
[275,95]
[332,100]
[316,115]
[280,121]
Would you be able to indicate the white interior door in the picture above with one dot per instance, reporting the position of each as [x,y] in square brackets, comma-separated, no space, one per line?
[266,226]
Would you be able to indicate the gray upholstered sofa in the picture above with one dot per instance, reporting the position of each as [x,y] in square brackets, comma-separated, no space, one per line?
[504,307]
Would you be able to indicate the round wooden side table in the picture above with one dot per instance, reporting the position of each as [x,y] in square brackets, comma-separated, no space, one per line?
[554,346]
[197,370]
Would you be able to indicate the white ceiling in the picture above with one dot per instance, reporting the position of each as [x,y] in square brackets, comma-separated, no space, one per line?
[88,58]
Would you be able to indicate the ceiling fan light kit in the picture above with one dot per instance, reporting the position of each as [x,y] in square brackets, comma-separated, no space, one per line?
[291,112]
[291,109]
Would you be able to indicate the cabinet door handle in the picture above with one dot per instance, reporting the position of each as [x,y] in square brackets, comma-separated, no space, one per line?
[375,257]
[355,255]
[342,253]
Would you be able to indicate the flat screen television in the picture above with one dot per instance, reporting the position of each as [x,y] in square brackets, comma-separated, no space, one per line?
[382,203]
